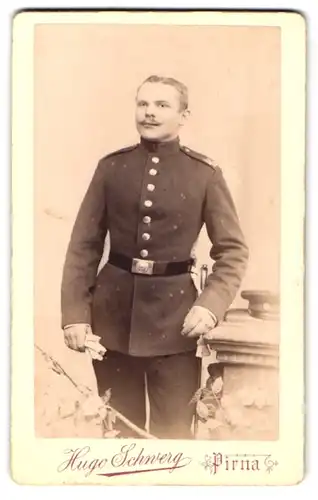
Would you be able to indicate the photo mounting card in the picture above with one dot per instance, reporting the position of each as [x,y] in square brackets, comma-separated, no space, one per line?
[74,83]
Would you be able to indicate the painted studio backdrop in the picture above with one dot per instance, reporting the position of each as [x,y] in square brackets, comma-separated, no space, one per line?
[85,83]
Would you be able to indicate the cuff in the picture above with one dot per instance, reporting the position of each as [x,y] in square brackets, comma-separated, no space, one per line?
[75,324]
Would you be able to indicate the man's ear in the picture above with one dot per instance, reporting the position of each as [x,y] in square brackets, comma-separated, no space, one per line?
[184,116]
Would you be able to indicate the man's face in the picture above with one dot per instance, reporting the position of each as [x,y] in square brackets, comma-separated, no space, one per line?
[158,113]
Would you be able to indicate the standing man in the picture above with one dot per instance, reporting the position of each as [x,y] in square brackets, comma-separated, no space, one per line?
[153,198]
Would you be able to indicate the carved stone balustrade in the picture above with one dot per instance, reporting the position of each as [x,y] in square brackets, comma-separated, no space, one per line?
[247,349]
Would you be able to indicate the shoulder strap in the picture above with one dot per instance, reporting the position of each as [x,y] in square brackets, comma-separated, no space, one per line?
[122,150]
[199,157]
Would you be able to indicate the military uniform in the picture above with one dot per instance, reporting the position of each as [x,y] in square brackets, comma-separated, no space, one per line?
[153,198]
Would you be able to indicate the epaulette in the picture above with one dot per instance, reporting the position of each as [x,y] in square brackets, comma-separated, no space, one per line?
[122,150]
[199,156]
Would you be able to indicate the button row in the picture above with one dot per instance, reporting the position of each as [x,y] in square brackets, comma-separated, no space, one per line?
[148,203]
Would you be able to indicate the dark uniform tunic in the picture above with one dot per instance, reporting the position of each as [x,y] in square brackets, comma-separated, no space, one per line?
[153,198]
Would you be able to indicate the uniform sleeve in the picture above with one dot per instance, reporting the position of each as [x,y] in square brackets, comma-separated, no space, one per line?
[229,250]
[84,252]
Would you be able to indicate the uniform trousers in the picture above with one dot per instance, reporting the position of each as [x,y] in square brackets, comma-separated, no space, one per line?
[171,382]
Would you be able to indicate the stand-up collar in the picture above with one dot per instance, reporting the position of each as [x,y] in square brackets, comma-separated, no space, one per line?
[160,148]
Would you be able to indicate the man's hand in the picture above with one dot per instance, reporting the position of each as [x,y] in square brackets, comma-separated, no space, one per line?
[75,335]
[199,321]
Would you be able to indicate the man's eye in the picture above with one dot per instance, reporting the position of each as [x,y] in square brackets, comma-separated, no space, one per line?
[163,105]
[141,104]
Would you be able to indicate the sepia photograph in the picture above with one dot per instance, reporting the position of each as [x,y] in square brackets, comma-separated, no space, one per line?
[157,238]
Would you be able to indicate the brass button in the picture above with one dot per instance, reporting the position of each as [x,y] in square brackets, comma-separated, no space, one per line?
[155,159]
[147,219]
[148,203]
[144,253]
[150,187]
[145,236]
[153,171]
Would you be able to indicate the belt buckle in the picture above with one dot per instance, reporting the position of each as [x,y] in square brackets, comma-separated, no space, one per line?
[141,266]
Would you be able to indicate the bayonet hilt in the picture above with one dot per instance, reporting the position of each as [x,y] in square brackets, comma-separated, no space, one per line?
[203,276]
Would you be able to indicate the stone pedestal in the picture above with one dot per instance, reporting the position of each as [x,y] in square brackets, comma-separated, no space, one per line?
[248,350]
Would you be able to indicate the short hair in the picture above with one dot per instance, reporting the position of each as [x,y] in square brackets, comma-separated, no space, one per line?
[179,86]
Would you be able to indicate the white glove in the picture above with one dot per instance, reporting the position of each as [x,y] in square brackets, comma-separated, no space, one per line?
[80,338]
[75,336]
[199,321]
[94,347]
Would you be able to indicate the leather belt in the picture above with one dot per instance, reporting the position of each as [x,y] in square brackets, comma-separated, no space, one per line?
[149,267]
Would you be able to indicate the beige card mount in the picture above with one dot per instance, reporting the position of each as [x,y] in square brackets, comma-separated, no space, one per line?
[75,75]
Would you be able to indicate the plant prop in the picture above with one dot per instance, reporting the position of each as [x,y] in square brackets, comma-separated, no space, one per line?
[92,408]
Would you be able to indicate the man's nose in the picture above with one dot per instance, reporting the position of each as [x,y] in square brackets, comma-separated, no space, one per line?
[150,110]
